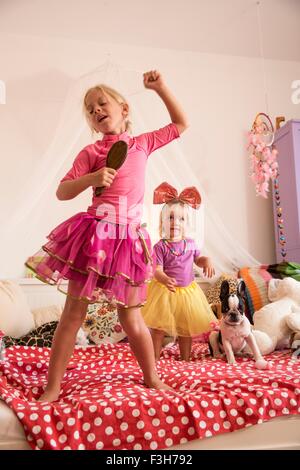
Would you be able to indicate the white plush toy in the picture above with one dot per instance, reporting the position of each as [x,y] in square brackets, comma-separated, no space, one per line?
[277,325]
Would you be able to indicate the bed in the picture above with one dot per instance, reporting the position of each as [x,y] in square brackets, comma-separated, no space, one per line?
[104,405]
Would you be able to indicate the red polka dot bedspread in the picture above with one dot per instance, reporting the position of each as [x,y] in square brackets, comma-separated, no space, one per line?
[104,405]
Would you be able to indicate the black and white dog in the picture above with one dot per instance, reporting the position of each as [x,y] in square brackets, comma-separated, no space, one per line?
[235,329]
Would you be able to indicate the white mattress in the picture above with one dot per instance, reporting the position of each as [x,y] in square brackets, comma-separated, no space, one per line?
[277,434]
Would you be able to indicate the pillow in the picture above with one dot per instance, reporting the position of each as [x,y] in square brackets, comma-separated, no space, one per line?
[44,315]
[256,280]
[213,293]
[40,337]
[15,316]
[102,323]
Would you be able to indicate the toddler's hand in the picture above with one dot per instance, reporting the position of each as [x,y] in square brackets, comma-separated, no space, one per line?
[208,269]
[153,80]
[170,283]
[103,177]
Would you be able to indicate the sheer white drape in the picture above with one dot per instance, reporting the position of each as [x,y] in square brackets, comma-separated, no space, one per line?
[28,223]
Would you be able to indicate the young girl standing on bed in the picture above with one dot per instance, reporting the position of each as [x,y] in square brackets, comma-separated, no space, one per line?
[105,248]
[176,304]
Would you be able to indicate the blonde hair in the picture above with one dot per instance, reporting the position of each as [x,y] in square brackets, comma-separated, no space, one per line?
[162,218]
[113,94]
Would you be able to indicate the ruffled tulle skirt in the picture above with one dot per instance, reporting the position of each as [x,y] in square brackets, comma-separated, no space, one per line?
[185,312]
[104,258]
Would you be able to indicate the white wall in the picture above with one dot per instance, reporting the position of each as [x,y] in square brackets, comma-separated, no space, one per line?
[220,93]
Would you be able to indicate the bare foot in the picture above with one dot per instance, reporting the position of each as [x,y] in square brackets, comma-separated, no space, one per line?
[157,384]
[49,395]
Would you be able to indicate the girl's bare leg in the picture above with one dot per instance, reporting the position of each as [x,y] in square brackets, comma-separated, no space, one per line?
[141,344]
[185,347]
[63,342]
[157,338]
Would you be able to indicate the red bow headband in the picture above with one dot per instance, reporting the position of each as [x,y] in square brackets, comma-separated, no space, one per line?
[165,193]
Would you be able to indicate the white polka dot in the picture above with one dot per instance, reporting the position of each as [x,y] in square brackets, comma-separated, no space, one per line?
[40,443]
[124,426]
[156,422]
[261,411]
[99,445]
[233,412]
[151,412]
[216,402]
[47,418]
[216,426]
[153,445]
[169,442]
[240,420]
[91,437]
[240,402]
[130,438]
[49,430]
[53,443]
[196,414]
[161,433]
[148,436]
[76,435]
[191,403]
[140,424]
[184,420]
[20,415]
[80,414]
[137,447]
[109,430]
[59,426]
[33,417]
[227,424]
[97,421]
[252,401]
[62,439]
[119,414]
[136,413]
[67,411]
[165,408]
[227,401]
[203,403]
[277,401]
[285,411]
[71,422]
[86,426]
[175,430]
[93,408]
[293,402]
[191,430]
[210,414]
[116,442]
[169,419]
[36,429]
[272,413]
[223,414]
[249,411]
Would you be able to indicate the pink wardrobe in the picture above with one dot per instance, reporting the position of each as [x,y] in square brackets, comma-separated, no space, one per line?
[286,192]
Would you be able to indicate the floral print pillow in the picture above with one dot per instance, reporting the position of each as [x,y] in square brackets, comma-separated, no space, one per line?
[102,323]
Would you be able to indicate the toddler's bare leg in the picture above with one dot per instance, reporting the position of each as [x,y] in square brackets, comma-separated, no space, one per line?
[185,347]
[157,338]
[64,341]
[141,344]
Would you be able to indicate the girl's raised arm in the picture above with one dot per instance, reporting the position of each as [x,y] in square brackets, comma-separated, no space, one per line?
[154,81]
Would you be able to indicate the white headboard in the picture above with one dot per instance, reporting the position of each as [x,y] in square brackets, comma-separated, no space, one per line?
[39,294]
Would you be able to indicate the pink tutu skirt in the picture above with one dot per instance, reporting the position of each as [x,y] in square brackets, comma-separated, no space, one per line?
[105,258]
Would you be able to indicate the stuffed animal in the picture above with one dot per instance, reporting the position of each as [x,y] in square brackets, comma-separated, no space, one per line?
[277,325]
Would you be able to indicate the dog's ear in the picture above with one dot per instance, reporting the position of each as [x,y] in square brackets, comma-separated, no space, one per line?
[242,289]
[224,290]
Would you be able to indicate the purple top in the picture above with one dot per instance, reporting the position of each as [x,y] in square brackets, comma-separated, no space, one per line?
[178,267]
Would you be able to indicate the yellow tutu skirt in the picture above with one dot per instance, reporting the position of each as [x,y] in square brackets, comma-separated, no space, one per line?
[185,312]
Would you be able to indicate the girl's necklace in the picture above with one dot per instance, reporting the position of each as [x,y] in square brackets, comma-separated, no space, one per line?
[174,252]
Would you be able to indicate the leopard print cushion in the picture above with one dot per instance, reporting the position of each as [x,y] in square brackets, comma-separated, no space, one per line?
[40,337]
[213,293]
